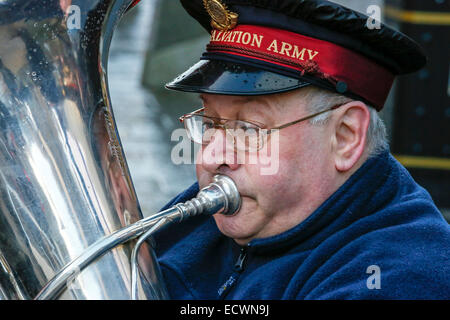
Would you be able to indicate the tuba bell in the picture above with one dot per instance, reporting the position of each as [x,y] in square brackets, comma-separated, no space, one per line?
[70,223]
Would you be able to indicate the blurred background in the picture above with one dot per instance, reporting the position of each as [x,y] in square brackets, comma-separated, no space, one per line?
[157,40]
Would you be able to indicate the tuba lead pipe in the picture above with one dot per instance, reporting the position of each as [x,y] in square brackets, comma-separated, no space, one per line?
[221,196]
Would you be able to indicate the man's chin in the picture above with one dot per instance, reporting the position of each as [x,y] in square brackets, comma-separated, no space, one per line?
[230,227]
[239,225]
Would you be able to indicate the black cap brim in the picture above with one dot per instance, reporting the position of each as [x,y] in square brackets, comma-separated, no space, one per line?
[231,78]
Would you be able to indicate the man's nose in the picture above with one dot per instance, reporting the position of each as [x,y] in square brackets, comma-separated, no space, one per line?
[219,151]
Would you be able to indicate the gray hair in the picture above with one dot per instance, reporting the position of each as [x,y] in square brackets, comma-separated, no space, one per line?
[318,99]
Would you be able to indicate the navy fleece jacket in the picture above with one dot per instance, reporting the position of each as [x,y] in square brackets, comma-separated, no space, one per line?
[379,236]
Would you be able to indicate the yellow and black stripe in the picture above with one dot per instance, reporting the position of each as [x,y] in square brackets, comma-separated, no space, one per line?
[417,17]
[418,162]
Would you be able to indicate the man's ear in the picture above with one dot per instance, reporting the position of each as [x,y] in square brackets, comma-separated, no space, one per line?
[349,138]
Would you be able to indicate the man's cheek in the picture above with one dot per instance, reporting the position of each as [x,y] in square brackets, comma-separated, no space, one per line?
[269,156]
[198,159]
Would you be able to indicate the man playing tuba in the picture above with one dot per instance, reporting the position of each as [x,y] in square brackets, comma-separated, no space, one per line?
[327,212]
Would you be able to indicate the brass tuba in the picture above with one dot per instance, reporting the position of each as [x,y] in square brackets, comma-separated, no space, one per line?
[68,209]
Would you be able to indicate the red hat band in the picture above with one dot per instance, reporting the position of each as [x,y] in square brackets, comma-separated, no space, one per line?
[315,57]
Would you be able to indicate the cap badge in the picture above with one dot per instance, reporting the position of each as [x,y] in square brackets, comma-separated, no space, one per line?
[221,18]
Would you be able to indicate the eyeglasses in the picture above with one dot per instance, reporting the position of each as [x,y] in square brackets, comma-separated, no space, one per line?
[246,135]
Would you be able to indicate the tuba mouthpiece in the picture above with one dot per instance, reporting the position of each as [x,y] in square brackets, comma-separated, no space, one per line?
[220,196]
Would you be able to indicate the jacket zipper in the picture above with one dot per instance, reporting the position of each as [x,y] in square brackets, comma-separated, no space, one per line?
[239,267]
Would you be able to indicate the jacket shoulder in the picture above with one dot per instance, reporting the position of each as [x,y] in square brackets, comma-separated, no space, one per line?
[406,259]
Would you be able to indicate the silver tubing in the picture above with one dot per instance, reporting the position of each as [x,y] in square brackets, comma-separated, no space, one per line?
[231,206]
[55,285]
[134,264]
[221,196]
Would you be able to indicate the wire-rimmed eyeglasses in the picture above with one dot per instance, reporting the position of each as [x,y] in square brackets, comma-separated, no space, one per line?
[247,135]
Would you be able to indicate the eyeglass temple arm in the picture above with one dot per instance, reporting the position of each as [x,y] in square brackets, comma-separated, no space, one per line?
[306,118]
[193,113]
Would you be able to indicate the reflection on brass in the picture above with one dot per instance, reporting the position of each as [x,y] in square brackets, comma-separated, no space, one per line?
[114,144]
[64,181]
